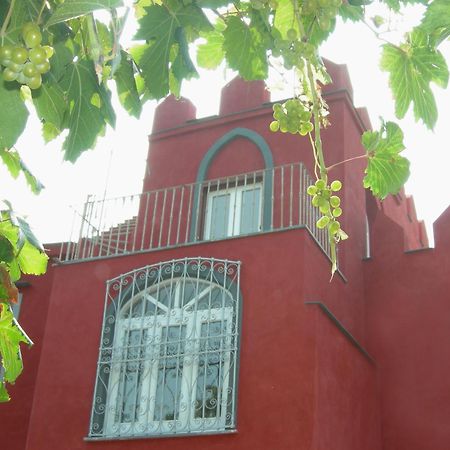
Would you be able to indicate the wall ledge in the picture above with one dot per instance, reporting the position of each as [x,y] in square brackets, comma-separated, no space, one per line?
[343,330]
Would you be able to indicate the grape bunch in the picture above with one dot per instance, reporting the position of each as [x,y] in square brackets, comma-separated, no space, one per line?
[323,197]
[293,116]
[324,10]
[293,50]
[26,63]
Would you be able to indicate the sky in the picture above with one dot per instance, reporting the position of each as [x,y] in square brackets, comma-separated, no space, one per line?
[116,166]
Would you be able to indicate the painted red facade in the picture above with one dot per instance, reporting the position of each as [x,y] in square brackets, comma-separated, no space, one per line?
[359,363]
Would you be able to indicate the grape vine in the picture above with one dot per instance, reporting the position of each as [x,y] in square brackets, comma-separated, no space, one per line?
[61,56]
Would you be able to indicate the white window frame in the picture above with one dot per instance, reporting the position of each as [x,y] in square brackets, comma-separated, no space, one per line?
[235,209]
[178,315]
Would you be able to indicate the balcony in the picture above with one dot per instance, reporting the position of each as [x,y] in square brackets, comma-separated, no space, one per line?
[262,201]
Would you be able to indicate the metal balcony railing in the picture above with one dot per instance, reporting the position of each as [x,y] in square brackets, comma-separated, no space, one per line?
[245,204]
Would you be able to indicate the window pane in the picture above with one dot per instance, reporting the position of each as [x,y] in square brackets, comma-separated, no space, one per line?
[210,370]
[130,378]
[220,213]
[250,211]
[170,372]
[216,298]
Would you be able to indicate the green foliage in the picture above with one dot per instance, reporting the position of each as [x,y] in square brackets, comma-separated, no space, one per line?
[396,5]
[50,104]
[245,49]
[20,252]
[164,28]
[16,166]
[211,53]
[387,171]
[437,20]
[89,108]
[72,93]
[70,9]
[126,86]
[11,335]
[412,67]
[13,115]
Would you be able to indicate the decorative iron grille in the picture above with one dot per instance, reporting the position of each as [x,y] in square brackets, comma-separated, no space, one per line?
[169,351]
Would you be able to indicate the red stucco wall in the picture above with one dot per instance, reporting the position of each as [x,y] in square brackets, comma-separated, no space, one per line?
[15,415]
[408,303]
[300,380]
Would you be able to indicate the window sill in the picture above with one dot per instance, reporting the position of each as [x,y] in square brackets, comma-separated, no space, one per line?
[159,436]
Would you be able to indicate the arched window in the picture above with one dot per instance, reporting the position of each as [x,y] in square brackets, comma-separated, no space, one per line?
[168,356]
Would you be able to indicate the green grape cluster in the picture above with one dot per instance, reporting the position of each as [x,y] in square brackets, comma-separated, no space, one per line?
[293,116]
[324,198]
[26,63]
[324,10]
[292,50]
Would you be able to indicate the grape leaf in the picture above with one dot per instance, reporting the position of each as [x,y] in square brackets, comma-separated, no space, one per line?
[212,4]
[6,250]
[363,2]
[29,252]
[211,53]
[350,12]
[71,9]
[50,104]
[154,60]
[316,34]
[158,27]
[8,290]
[15,165]
[155,67]
[244,49]
[31,260]
[412,68]
[89,108]
[28,234]
[126,86]
[4,397]
[386,170]
[436,20]
[9,230]
[13,114]
[50,100]
[285,18]
[11,335]
[182,66]
[395,5]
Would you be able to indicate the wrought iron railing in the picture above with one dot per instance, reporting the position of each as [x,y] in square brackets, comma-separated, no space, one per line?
[255,202]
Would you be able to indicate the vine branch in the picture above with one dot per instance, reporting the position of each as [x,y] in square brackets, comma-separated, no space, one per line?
[7,19]
[317,137]
[346,161]
[44,2]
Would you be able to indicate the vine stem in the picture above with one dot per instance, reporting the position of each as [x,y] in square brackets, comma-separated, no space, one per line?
[317,144]
[297,16]
[316,163]
[379,37]
[317,137]
[7,19]
[41,11]
[346,161]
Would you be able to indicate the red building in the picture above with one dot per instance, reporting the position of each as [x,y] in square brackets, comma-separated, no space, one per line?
[200,312]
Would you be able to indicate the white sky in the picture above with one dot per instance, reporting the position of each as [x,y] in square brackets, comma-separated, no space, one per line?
[118,161]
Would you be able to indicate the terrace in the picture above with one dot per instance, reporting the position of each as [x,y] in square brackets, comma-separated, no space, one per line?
[262,201]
